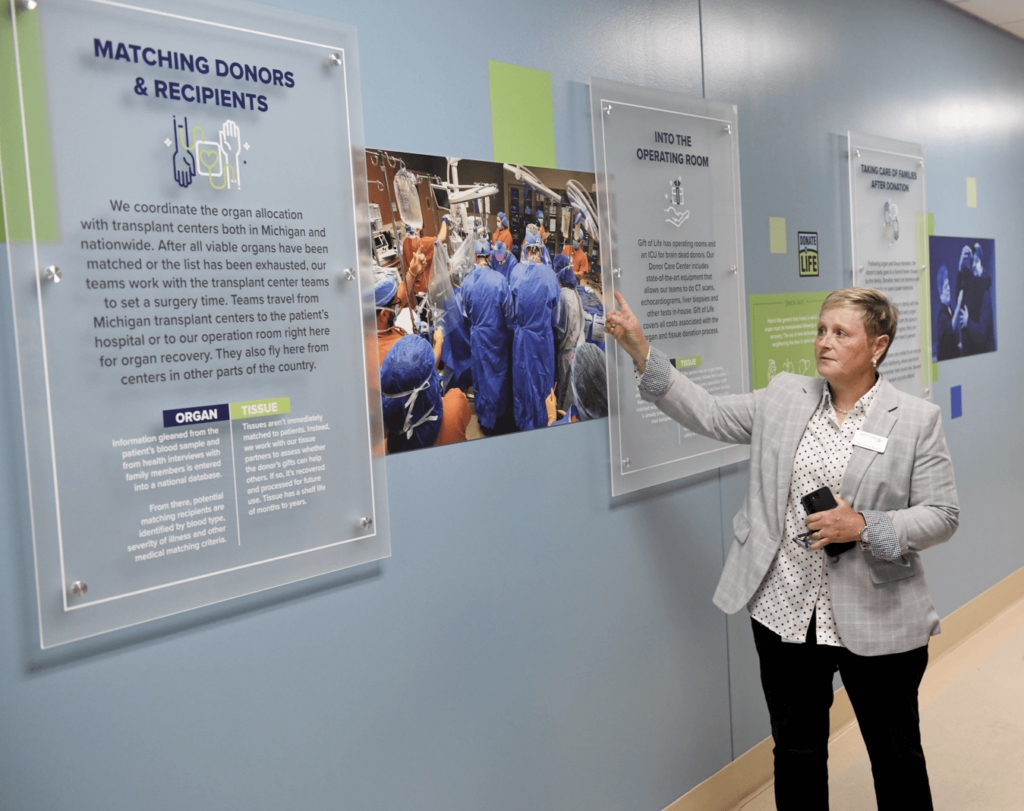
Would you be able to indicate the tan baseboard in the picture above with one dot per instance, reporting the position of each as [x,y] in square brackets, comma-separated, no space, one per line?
[751,772]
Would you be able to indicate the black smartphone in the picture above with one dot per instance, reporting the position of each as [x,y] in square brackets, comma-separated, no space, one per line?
[817,502]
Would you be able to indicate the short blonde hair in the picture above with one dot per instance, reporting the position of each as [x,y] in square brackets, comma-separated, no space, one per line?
[879,315]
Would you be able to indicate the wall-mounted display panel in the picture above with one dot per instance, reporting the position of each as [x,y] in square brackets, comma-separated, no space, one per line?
[888,212]
[668,184]
[195,334]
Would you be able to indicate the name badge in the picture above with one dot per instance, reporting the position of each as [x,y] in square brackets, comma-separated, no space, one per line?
[873,442]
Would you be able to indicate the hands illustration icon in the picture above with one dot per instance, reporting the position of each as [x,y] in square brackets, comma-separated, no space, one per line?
[231,144]
[183,161]
[676,218]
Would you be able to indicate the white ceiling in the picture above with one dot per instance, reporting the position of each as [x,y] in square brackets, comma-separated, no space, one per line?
[1007,14]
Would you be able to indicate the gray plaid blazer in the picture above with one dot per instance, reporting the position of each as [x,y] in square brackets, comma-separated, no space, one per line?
[880,606]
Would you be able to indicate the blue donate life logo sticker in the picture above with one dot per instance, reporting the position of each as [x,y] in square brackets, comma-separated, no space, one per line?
[195,415]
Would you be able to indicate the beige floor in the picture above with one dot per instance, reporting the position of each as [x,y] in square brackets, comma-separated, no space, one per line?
[972,722]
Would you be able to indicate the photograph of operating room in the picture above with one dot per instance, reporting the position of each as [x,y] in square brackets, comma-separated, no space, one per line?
[490,312]
[963,296]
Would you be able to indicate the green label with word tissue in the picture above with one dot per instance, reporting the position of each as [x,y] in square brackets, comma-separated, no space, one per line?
[254,409]
[682,364]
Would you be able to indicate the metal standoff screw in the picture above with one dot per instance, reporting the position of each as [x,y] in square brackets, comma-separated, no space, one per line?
[728,129]
[733,269]
[367,522]
[617,273]
[335,60]
[607,109]
[860,269]
[52,273]
[625,462]
[79,589]
[923,267]
[927,389]
[26,5]
[856,152]
[349,274]
[920,164]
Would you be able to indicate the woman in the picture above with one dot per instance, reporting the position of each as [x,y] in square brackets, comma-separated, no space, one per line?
[865,610]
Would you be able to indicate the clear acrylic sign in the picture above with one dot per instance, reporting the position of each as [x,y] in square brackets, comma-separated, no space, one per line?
[193,306]
[668,188]
[888,212]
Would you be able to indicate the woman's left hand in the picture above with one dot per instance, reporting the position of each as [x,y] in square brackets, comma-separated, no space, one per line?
[837,525]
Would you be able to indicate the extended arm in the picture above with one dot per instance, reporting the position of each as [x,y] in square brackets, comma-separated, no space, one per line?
[728,419]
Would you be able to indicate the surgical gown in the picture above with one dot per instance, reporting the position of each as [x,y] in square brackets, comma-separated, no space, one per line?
[568,335]
[456,351]
[486,302]
[504,235]
[580,263]
[410,247]
[534,298]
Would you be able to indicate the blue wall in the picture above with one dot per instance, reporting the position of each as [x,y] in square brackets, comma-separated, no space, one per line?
[533,643]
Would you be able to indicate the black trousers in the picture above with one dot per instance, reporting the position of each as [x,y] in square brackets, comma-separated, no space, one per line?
[797,682]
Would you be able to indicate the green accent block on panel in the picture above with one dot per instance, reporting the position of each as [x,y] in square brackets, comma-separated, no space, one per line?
[925,222]
[782,331]
[972,192]
[522,115]
[37,127]
[777,234]
[258,409]
[688,363]
[931,225]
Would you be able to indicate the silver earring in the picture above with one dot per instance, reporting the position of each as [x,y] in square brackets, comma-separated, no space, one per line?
[874,363]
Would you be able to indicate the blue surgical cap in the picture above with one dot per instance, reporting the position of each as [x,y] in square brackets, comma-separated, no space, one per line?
[499,249]
[385,287]
[482,247]
[563,270]
[411,393]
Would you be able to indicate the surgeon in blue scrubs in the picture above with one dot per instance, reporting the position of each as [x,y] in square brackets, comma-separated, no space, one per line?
[502,260]
[534,292]
[486,301]
[534,239]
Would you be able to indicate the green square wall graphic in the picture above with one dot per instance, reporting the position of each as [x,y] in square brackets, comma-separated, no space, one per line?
[522,115]
[32,100]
